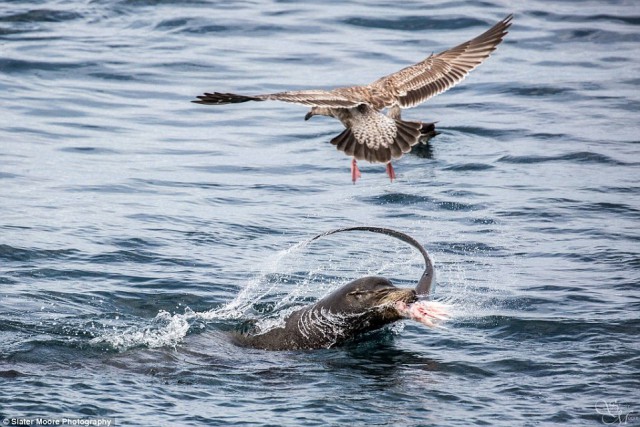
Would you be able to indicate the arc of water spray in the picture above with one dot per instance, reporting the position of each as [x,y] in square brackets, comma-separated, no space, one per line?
[427,281]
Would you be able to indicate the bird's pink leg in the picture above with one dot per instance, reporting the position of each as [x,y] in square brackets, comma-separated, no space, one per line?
[391,172]
[355,172]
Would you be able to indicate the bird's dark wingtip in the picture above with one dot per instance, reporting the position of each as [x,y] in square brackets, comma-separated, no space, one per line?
[507,21]
[219,98]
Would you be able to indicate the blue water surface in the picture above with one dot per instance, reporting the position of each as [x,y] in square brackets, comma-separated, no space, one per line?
[138,229]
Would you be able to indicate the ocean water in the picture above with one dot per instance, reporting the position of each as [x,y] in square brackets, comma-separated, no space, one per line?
[137,230]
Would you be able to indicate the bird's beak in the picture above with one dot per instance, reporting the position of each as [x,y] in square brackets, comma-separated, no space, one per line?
[308,115]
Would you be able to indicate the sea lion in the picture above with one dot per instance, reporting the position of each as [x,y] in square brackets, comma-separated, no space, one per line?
[361,306]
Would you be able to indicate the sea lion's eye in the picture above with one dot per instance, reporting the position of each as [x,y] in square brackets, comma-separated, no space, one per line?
[357,294]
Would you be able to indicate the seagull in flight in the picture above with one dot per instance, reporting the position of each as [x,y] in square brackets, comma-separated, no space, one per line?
[370,134]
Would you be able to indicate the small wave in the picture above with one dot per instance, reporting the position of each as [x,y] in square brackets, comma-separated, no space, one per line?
[546,136]
[8,65]
[413,199]
[538,91]
[415,23]
[578,157]
[41,15]
[143,3]
[563,17]
[485,131]
[138,256]
[88,150]
[11,253]
[596,36]
[465,248]
[469,167]
[11,374]
[634,190]
[550,329]
[134,243]
[7,175]
[613,208]
[185,25]
[108,188]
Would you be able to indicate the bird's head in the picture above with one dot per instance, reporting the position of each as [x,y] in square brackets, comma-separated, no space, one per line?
[318,111]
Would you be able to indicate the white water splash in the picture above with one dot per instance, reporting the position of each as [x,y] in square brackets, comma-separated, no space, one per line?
[254,291]
[166,330]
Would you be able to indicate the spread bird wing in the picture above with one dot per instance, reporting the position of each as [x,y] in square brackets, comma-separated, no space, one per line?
[437,73]
[337,98]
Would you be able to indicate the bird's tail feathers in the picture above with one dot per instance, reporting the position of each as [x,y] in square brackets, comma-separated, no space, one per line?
[407,135]
[427,131]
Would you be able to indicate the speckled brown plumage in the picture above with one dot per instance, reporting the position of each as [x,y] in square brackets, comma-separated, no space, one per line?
[369,134]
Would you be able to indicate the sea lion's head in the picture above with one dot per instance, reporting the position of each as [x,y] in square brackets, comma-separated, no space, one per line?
[371,298]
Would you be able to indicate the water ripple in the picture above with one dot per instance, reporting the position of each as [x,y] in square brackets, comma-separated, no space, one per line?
[41,15]
[10,253]
[577,157]
[139,229]
[415,23]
